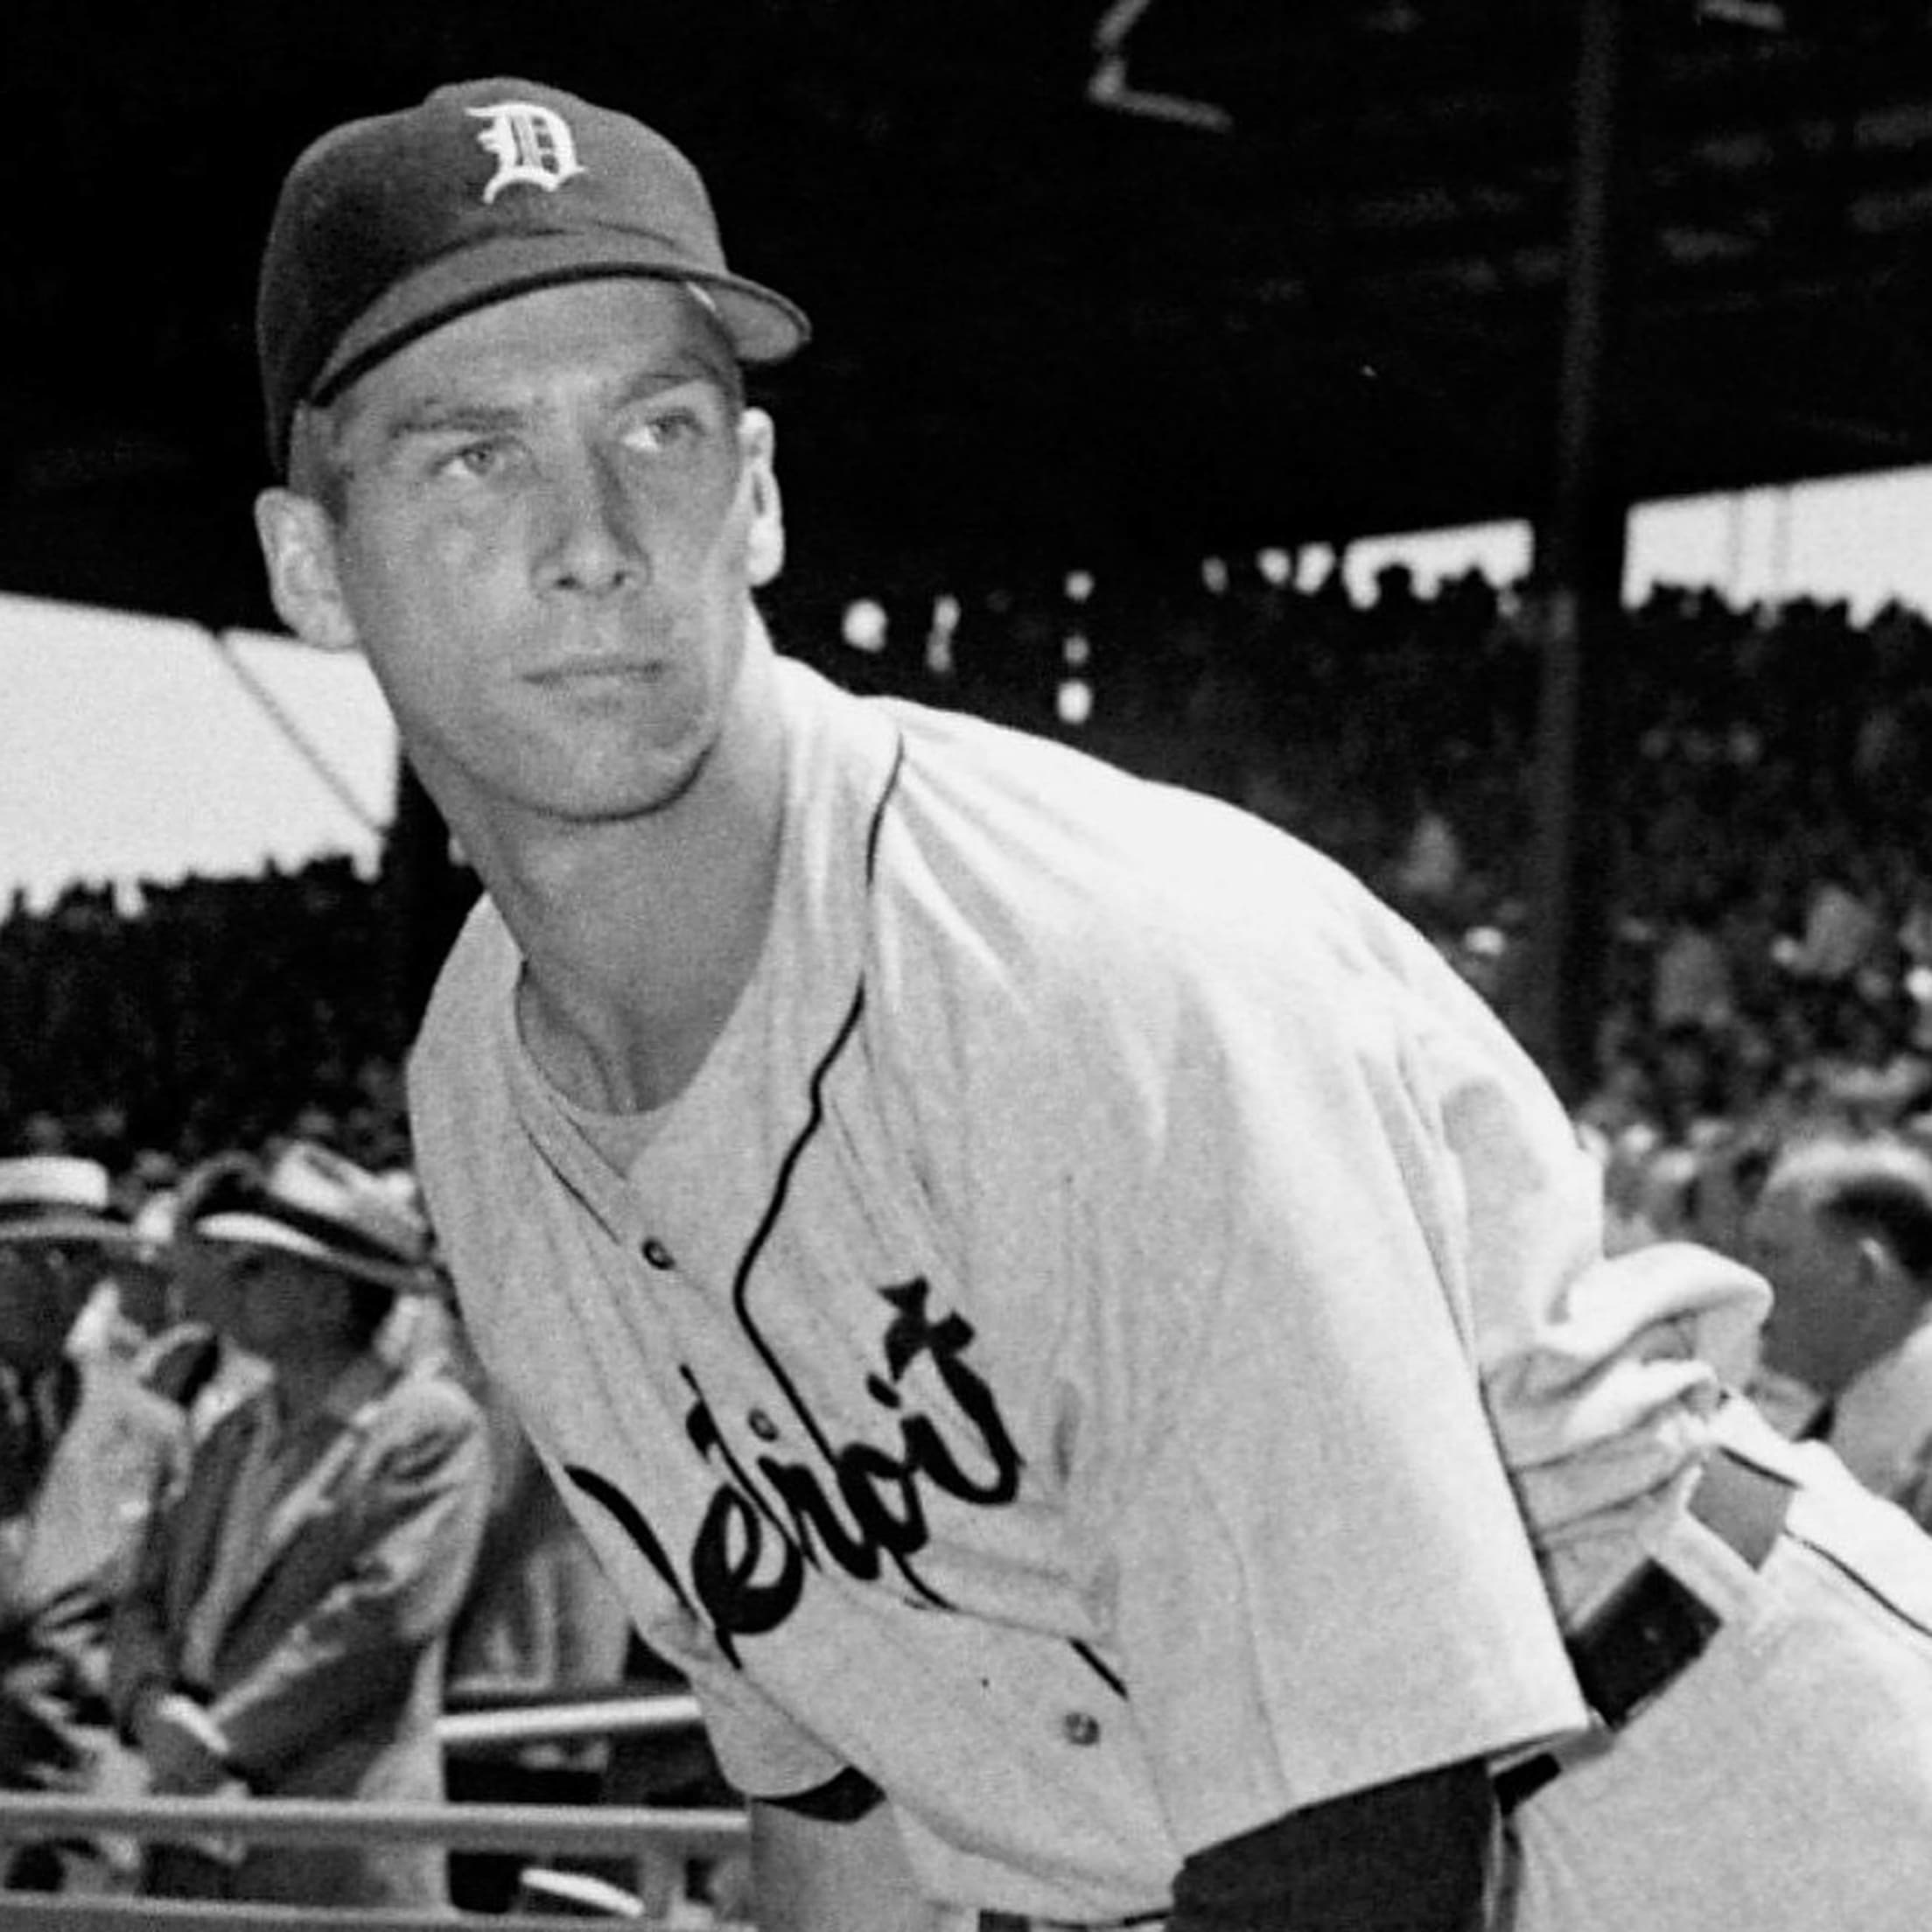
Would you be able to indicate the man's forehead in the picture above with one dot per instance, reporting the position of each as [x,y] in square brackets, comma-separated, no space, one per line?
[1794,1200]
[626,329]
[1787,1190]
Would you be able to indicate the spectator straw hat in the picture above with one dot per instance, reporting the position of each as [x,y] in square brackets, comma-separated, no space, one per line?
[312,1202]
[389,226]
[59,1197]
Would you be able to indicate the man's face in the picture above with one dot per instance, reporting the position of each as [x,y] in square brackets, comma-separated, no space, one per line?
[281,1310]
[1814,1329]
[554,518]
[204,1285]
[42,1286]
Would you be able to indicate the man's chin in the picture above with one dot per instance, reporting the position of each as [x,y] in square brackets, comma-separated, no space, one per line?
[655,787]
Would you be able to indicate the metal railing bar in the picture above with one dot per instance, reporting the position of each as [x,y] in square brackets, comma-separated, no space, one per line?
[611,1717]
[475,1693]
[56,1913]
[623,1830]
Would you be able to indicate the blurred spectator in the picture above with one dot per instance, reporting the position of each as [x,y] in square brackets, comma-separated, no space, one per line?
[1766,874]
[1688,1081]
[194,1357]
[540,1620]
[1693,984]
[1843,1231]
[1843,931]
[123,1033]
[541,1616]
[133,1302]
[86,1455]
[285,1633]
[1428,876]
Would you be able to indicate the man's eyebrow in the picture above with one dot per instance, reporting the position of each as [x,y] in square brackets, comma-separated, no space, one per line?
[460,415]
[448,416]
[687,373]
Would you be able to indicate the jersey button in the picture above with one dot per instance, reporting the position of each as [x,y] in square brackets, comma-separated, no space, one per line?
[762,1425]
[658,1255]
[1080,1727]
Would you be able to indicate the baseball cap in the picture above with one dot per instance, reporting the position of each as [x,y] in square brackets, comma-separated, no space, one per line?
[59,1197]
[313,1201]
[389,226]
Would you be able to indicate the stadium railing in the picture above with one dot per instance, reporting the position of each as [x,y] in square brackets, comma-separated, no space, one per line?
[654,1842]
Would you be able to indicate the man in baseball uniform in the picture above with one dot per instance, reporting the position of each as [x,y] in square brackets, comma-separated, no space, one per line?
[1075,1327]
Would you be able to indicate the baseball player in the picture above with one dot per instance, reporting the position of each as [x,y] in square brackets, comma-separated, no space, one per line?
[1066,1318]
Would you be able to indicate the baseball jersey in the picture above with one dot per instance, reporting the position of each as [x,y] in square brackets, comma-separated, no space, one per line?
[1084,1347]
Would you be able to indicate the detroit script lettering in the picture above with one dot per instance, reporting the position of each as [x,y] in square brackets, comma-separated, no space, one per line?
[855,1504]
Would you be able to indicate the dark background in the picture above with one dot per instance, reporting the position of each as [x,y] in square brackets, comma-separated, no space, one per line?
[1048,332]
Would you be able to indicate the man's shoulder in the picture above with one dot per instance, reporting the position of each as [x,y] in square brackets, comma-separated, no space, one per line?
[1073,859]
[477,976]
[426,1399]
[458,1079]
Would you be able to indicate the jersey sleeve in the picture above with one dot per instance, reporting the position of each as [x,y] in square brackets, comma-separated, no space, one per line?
[1308,1552]
[761,1751]
[1601,1374]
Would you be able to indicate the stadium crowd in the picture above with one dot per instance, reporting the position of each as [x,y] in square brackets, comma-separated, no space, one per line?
[1769,886]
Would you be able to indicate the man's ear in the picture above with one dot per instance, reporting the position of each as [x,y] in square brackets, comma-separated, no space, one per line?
[1872,1260]
[297,544]
[765,538]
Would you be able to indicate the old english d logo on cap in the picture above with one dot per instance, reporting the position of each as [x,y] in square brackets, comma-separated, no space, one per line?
[530,142]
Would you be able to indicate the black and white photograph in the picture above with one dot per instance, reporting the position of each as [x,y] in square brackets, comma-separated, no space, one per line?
[966,968]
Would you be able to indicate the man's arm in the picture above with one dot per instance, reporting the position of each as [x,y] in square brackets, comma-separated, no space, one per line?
[184,1750]
[351,1648]
[816,1875]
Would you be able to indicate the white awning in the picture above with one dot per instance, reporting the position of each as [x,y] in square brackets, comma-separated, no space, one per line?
[134,749]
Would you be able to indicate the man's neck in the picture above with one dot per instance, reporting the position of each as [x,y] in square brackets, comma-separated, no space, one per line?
[1890,1329]
[301,1387]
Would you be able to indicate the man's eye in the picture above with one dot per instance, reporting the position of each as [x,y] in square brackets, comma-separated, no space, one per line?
[662,435]
[480,459]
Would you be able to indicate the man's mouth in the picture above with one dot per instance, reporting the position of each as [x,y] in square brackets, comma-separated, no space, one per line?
[602,667]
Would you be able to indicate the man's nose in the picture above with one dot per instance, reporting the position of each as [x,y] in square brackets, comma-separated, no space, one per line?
[592,542]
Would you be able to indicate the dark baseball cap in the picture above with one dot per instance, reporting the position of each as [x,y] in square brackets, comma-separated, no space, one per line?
[388,228]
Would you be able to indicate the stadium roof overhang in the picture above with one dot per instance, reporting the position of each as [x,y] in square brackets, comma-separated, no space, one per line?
[1191,273]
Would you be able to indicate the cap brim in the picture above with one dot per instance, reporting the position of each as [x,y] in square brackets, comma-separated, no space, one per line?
[762,325]
[245,1230]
